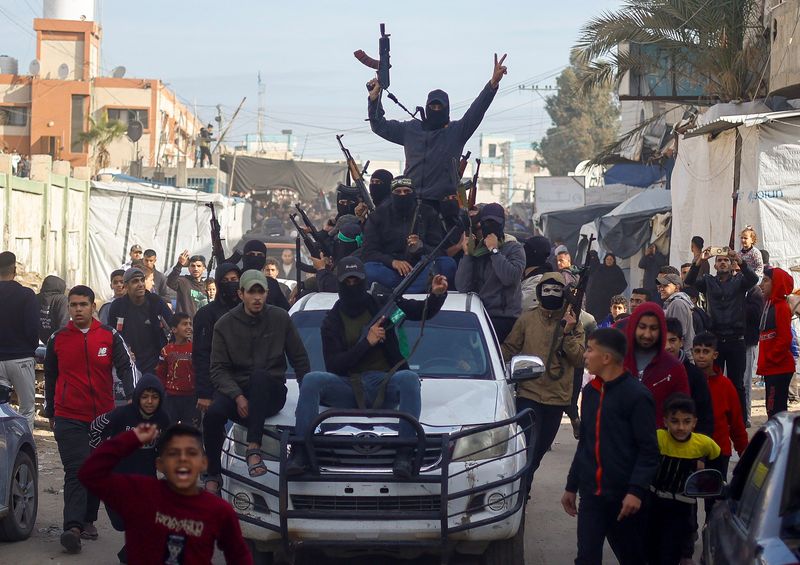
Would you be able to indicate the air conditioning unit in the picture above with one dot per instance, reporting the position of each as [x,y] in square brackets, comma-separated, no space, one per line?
[784,60]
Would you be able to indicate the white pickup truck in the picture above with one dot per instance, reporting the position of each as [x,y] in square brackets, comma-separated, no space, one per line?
[471,452]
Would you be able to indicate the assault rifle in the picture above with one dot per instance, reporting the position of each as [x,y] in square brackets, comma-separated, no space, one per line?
[297,260]
[356,174]
[382,65]
[392,314]
[462,164]
[473,190]
[312,246]
[217,252]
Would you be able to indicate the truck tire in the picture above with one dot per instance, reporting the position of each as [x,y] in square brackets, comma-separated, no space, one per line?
[509,551]
[23,500]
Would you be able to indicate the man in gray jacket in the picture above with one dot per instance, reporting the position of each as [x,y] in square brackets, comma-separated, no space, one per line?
[248,366]
[492,266]
[677,304]
[433,146]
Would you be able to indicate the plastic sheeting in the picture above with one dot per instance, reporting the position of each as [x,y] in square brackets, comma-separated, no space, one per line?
[308,179]
[167,220]
[638,174]
[627,228]
[565,225]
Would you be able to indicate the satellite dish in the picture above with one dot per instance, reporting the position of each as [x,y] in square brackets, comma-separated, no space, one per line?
[135,129]
[35,68]
[63,71]
[118,72]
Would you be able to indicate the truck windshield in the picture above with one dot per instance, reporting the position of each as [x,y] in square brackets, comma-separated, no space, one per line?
[452,346]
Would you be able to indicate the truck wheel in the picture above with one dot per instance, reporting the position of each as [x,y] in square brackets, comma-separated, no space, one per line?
[22,501]
[259,557]
[507,551]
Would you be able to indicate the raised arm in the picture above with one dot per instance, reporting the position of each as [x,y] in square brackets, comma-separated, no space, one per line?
[474,115]
[390,130]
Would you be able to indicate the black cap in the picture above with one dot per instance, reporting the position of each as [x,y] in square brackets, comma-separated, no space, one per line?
[7,259]
[350,267]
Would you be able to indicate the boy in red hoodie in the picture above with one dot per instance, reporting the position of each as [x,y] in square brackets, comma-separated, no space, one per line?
[775,360]
[171,520]
[647,359]
[176,372]
[728,419]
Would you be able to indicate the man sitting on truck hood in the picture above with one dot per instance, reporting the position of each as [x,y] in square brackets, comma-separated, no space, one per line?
[361,365]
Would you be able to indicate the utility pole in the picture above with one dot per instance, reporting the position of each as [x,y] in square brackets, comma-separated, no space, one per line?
[262,90]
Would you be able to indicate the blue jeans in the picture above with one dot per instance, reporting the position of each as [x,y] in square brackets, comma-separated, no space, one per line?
[319,387]
[388,277]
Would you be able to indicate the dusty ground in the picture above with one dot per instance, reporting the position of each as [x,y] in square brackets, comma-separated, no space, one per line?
[550,533]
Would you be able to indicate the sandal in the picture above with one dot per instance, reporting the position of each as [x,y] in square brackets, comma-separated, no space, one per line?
[215,480]
[258,468]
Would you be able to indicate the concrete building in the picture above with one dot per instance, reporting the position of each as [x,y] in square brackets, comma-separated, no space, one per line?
[45,112]
[508,169]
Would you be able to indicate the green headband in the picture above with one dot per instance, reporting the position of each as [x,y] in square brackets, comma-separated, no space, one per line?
[359,239]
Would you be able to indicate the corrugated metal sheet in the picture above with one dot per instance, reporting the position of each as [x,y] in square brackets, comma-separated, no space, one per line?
[723,123]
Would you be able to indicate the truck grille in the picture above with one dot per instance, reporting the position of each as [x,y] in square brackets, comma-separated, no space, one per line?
[369,457]
[366,503]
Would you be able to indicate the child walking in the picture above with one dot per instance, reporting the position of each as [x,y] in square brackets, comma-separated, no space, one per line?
[177,374]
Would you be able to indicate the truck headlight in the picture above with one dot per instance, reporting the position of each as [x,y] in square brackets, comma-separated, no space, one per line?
[489,444]
[270,446]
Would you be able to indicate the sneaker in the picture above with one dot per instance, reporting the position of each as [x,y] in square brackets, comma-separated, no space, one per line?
[89,532]
[297,464]
[403,467]
[576,427]
[71,540]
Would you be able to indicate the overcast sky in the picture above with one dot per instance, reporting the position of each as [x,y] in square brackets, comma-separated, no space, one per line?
[211,52]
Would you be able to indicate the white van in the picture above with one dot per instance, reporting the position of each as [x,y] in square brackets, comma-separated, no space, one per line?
[466,498]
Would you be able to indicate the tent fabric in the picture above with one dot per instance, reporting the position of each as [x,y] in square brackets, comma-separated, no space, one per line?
[165,219]
[565,225]
[625,229]
[307,178]
[638,174]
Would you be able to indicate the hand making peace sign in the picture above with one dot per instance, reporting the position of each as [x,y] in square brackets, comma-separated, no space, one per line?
[499,70]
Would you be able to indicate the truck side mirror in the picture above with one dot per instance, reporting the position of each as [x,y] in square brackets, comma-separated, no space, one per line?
[526,367]
[707,483]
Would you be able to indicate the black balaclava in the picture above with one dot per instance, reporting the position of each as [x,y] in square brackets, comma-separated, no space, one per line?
[353,299]
[537,250]
[449,208]
[380,186]
[346,193]
[227,292]
[256,263]
[403,205]
[550,294]
[492,226]
[440,118]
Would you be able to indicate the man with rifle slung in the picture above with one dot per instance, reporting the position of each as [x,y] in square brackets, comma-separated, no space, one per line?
[434,145]
[363,360]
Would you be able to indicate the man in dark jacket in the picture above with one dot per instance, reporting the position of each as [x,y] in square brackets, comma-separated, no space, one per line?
[190,288]
[142,319]
[650,263]
[255,257]
[249,350]
[398,235]
[647,358]
[79,387]
[19,337]
[617,456]
[434,145]
[380,185]
[726,294]
[358,363]
[492,266]
[227,277]
[53,307]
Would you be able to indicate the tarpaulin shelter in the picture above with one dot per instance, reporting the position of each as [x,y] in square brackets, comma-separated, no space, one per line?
[308,179]
[627,228]
[639,174]
[165,219]
[565,225]
[769,190]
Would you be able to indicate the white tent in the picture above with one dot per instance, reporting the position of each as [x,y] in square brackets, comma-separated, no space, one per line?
[769,194]
[165,219]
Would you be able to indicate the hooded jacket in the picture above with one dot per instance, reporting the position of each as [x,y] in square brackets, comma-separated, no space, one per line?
[496,278]
[533,334]
[726,300]
[529,283]
[701,395]
[53,307]
[77,371]
[774,349]
[617,451]
[728,418]
[19,332]
[664,375]
[604,283]
[431,153]
[386,233]
[680,307]
[243,343]
[127,417]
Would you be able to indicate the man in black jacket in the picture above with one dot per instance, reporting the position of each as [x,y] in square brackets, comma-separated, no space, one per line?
[255,257]
[227,277]
[361,366]
[53,307]
[617,456]
[726,294]
[398,235]
[141,317]
[434,145]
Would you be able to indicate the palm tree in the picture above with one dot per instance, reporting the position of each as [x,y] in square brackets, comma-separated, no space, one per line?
[101,134]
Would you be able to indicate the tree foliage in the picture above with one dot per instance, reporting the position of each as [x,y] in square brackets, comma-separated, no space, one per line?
[100,135]
[584,122]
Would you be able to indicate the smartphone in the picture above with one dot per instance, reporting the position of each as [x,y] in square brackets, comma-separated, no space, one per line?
[714,251]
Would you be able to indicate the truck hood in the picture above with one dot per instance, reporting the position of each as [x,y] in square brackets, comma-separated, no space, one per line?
[446,404]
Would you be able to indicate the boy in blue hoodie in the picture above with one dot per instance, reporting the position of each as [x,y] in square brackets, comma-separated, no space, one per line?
[147,407]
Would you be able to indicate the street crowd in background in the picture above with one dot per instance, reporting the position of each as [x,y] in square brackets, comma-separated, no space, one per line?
[148,381]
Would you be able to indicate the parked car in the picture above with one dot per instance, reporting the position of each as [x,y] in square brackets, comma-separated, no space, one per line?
[18,474]
[757,519]
[468,497]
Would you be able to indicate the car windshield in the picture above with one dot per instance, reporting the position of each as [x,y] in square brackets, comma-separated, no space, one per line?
[452,345]
[790,503]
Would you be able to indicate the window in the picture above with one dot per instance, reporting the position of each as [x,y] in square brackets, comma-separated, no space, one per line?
[749,503]
[531,166]
[76,124]
[127,116]
[492,150]
[13,116]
